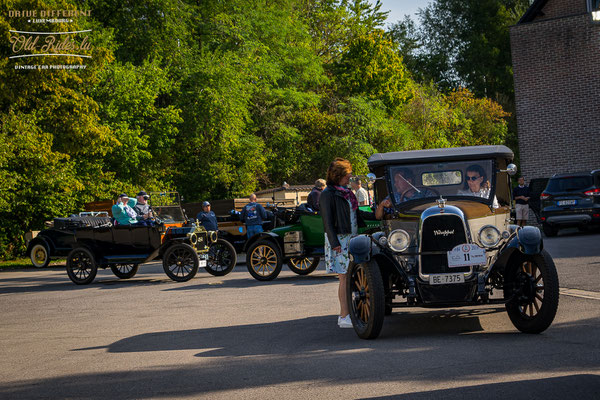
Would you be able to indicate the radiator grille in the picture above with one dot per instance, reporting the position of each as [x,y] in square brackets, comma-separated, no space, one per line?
[441,233]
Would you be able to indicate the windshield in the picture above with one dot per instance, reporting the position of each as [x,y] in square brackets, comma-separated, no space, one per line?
[458,179]
[166,206]
[569,184]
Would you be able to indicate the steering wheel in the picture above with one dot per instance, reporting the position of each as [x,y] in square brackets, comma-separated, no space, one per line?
[423,190]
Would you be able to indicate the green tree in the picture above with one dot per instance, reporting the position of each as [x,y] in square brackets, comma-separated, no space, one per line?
[372,67]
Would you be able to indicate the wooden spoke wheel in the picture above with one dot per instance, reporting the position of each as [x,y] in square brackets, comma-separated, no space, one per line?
[303,265]
[124,271]
[221,258]
[180,262]
[532,292]
[39,255]
[366,299]
[81,266]
[263,260]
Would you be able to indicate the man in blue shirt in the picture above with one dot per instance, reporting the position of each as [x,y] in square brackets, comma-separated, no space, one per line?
[253,215]
[521,195]
[207,218]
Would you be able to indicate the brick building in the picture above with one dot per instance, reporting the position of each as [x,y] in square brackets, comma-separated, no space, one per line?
[556,63]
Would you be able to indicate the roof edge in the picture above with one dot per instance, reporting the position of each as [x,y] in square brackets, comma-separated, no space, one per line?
[532,11]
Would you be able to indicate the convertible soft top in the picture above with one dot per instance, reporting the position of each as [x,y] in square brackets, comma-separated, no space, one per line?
[448,154]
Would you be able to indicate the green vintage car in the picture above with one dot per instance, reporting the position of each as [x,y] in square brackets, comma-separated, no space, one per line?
[299,243]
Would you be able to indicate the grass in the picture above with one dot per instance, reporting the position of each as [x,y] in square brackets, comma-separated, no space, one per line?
[22,263]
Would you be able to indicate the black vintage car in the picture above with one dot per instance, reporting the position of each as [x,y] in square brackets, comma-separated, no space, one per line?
[447,240]
[91,240]
[124,247]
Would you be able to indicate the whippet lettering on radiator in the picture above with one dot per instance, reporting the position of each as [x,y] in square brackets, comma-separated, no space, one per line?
[446,239]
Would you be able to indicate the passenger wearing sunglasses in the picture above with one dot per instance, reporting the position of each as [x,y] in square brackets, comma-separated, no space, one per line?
[477,184]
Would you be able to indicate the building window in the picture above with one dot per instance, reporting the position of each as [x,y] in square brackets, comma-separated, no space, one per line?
[595,9]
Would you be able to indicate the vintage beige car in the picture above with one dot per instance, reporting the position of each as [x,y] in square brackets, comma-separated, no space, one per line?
[446,239]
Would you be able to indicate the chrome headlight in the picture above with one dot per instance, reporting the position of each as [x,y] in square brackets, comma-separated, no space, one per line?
[489,236]
[399,240]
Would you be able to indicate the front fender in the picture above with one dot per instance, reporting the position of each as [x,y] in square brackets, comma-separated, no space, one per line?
[527,240]
[530,240]
[40,239]
[360,249]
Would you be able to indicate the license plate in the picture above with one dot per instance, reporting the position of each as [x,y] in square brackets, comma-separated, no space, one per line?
[567,202]
[443,279]
[465,255]
[202,264]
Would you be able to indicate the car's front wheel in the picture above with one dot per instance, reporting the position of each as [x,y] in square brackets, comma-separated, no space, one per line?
[81,266]
[366,298]
[531,287]
[180,262]
[303,265]
[124,271]
[39,255]
[263,260]
[221,258]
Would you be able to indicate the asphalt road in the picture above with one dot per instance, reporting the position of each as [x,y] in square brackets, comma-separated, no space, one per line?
[234,337]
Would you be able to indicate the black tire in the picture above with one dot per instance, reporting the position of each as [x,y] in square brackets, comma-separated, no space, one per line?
[124,271]
[366,299]
[81,266]
[531,287]
[39,255]
[388,309]
[180,262]
[263,260]
[303,265]
[549,230]
[221,258]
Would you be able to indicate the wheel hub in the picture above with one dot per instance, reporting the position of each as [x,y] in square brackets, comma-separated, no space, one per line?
[527,288]
[39,256]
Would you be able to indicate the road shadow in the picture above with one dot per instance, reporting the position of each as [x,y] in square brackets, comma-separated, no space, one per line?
[249,281]
[314,351]
[577,386]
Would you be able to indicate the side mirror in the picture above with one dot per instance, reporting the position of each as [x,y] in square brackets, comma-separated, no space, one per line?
[372,177]
[511,169]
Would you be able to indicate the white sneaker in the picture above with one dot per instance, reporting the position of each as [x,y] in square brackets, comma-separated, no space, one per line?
[345,322]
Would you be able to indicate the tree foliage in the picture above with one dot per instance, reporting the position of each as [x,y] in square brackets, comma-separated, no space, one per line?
[214,99]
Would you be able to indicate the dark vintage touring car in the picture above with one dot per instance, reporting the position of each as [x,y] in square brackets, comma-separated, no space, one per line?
[447,240]
[91,240]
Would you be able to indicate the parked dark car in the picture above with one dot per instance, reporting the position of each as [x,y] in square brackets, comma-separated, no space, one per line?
[571,200]
[444,245]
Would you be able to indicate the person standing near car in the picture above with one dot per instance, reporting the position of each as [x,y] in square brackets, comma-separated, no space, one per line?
[341,219]
[253,215]
[313,197]
[522,194]
[361,194]
[207,218]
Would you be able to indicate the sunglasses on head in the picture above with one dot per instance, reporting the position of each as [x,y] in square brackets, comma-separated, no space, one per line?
[473,178]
